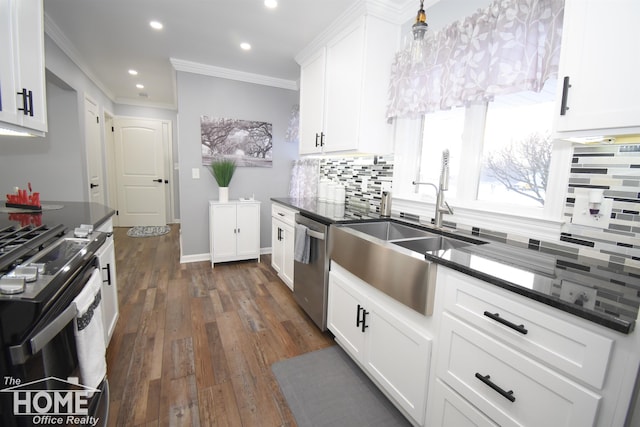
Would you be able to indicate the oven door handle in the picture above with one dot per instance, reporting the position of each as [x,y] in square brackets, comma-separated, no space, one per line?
[20,353]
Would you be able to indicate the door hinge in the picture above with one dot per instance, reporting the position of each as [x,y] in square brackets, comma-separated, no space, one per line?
[97,119]
[113,129]
[117,212]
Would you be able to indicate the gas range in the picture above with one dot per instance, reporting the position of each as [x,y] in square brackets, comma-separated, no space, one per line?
[33,259]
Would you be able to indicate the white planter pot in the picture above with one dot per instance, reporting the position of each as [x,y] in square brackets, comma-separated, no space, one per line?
[223,194]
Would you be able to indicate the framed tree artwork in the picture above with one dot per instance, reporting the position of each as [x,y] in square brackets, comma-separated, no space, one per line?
[247,142]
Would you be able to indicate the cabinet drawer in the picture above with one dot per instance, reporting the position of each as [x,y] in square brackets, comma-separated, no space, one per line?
[450,409]
[286,215]
[565,346]
[507,386]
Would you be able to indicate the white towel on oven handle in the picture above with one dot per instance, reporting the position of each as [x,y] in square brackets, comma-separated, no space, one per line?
[89,332]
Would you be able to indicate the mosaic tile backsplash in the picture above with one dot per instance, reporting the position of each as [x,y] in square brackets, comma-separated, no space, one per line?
[375,172]
[616,170]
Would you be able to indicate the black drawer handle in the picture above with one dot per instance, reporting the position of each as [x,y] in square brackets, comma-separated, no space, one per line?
[362,323]
[487,380]
[497,318]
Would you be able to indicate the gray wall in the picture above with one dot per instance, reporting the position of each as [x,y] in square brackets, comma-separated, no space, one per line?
[54,164]
[203,95]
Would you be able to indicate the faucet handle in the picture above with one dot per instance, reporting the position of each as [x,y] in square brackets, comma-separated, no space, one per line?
[448,208]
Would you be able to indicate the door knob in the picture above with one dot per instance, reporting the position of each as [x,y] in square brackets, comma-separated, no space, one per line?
[158,180]
[92,185]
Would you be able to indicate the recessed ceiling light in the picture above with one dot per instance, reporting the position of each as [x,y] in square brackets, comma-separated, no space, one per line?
[271,4]
[139,86]
[156,25]
[133,72]
[245,46]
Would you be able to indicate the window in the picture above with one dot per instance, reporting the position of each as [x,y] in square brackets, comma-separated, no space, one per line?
[503,149]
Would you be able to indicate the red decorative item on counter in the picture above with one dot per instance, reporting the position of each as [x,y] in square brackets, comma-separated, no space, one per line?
[20,199]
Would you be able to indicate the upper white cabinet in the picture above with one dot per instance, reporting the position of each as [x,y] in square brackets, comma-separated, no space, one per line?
[343,90]
[598,87]
[22,71]
[234,230]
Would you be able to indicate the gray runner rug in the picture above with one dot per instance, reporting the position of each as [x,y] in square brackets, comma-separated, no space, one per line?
[148,231]
[326,388]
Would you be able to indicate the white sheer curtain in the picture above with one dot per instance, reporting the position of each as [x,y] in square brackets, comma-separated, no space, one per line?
[510,46]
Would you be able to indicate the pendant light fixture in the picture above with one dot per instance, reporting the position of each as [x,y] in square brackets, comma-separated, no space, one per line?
[420,36]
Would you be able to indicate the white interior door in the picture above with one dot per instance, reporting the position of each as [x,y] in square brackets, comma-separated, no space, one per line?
[94,151]
[140,171]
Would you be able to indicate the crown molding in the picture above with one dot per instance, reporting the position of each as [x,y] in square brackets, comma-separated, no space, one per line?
[58,37]
[227,73]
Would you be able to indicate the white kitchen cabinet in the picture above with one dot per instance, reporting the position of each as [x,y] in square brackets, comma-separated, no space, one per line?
[378,334]
[234,230]
[22,70]
[283,242]
[600,56]
[561,370]
[343,90]
[107,259]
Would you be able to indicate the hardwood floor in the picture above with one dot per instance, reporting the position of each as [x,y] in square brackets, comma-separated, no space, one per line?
[194,345]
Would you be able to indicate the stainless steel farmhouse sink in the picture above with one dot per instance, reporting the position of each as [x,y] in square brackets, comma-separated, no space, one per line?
[387,230]
[386,255]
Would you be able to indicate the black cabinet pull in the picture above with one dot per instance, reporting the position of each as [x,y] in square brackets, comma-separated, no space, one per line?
[487,380]
[565,95]
[362,323]
[108,269]
[317,136]
[279,233]
[27,102]
[497,318]
[322,139]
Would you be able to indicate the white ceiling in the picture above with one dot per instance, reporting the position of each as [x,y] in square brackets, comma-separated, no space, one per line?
[107,38]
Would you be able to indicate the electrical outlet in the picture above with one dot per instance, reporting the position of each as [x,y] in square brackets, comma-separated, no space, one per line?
[578,294]
[582,216]
[365,183]
[195,173]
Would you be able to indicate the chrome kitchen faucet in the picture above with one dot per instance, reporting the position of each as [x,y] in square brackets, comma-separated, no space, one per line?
[441,205]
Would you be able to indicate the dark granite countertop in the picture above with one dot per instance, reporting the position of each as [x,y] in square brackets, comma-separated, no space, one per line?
[600,291]
[69,214]
[327,213]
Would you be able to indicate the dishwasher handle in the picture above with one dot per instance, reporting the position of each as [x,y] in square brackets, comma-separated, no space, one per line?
[315,234]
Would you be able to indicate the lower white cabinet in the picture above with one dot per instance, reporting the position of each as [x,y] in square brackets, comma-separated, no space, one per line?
[378,334]
[107,259]
[283,242]
[234,230]
[504,359]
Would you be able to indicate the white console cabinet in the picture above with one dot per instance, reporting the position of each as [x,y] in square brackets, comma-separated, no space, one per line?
[107,259]
[234,230]
[384,337]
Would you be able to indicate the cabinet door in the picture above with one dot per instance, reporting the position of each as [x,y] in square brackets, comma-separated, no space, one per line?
[277,245]
[345,309]
[344,89]
[110,311]
[248,230]
[398,357]
[8,108]
[223,231]
[312,77]
[602,65]
[29,56]
[288,234]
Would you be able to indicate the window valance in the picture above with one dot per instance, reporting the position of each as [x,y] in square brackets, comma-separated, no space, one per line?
[510,46]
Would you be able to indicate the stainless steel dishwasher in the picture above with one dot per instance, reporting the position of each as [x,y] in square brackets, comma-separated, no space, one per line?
[310,281]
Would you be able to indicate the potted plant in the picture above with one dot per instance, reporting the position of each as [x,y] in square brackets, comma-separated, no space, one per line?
[222,171]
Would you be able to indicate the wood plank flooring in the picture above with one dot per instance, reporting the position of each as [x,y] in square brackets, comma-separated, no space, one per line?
[194,345]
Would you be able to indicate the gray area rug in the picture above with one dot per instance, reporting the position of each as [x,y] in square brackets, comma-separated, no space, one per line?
[148,231]
[326,388]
